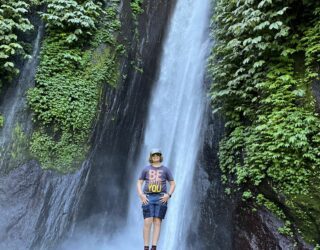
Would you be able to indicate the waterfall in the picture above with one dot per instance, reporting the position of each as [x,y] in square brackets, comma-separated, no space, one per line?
[176,113]
[15,105]
[174,124]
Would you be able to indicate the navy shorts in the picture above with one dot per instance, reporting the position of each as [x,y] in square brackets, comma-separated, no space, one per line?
[154,208]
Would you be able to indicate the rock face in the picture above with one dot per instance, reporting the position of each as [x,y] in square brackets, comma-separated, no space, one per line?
[36,207]
[215,228]
[258,231]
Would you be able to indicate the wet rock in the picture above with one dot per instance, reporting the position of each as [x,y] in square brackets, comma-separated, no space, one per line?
[36,206]
[258,230]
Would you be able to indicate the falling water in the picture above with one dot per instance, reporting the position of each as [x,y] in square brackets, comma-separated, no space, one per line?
[174,122]
[15,106]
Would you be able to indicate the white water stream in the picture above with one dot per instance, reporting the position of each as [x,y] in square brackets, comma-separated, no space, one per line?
[174,125]
[15,107]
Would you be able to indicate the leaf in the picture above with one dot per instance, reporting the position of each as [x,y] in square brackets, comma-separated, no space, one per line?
[299,92]
[9,65]
[256,39]
[258,64]
[275,25]
[262,25]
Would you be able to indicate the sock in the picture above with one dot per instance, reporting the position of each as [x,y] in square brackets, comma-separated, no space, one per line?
[154,247]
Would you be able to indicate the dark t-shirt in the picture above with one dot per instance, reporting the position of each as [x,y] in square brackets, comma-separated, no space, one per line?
[155,178]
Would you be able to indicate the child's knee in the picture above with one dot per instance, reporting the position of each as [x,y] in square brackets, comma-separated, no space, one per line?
[148,222]
[157,221]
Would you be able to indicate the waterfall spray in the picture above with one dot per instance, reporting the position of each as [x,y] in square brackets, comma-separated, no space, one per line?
[175,117]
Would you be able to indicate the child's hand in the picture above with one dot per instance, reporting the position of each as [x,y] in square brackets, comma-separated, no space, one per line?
[165,198]
[144,199]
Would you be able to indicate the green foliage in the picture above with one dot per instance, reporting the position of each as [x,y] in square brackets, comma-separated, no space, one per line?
[310,44]
[273,131]
[1,121]
[68,87]
[77,20]
[246,195]
[19,147]
[246,37]
[286,229]
[63,155]
[35,2]
[136,8]
[305,210]
[261,200]
[109,24]
[12,22]
[16,152]
[63,94]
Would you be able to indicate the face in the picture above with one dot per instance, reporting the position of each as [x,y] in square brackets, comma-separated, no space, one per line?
[155,158]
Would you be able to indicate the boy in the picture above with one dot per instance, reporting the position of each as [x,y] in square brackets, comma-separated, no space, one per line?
[154,196]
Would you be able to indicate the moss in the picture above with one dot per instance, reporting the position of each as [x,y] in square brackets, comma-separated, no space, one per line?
[286,229]
[63,155]
[66,97]
[136,8]
[20,145]
[263,63]
[1,121]
[305,210]
[17,151]
[13,22]
[77,19]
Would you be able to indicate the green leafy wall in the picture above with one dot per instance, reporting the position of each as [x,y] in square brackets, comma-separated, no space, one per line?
[265,58]
[13,22]
[79,55]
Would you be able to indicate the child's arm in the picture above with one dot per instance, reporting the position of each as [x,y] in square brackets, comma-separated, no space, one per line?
[139,187]
[172,187]
[142,196]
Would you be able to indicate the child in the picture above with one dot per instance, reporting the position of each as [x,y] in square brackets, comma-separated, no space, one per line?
[154,196]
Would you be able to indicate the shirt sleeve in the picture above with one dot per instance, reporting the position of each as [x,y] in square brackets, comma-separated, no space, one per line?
[143,174]
[169,175]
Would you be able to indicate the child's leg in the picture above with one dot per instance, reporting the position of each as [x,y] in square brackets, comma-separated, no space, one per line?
[156,230]
[146,230]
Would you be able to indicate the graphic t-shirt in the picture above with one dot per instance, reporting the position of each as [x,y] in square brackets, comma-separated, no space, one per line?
[155,178]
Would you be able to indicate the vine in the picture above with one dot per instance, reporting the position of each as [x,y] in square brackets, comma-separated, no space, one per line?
[75,19]
[1,121]
[273,131]
[68,81]
[13,21]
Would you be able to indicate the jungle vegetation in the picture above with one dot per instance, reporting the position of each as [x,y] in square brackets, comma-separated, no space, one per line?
[263,64]
[79,54]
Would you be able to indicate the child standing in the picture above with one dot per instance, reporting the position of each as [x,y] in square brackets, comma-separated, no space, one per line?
[154,196]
